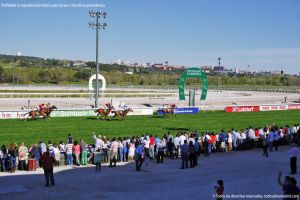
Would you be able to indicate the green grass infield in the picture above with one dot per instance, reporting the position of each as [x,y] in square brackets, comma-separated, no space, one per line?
[56,129]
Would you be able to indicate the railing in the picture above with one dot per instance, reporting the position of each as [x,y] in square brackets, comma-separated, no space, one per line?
[75,87]
[10,95]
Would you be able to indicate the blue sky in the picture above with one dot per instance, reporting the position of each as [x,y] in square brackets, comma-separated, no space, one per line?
[264,34]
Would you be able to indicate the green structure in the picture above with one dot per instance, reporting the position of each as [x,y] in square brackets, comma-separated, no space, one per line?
[193,73]
[192,94]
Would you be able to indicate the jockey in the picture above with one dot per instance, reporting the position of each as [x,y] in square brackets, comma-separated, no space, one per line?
[173,106]
[48,105]
[107,106]
[45,106]
[124,107]
[163,106]
[40,107]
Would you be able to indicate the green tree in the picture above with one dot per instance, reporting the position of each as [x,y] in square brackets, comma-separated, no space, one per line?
[1,70]
[82,75]
[2,74]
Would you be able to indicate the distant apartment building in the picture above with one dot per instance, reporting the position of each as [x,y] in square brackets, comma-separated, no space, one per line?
[277,72]
[119,62]
[148,64]
[159,66]
[263,73]
[207,69]
[213,70]
[78,63]
[219,69]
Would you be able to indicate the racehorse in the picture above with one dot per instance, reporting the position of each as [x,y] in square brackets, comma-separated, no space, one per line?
[168,110]
[47,111]
[102,111]
[34,114]
[122,113]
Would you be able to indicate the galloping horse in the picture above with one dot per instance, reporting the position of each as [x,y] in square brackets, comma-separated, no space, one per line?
[168,110]
[122,113]
[34,114]
[102,111]
[47,111]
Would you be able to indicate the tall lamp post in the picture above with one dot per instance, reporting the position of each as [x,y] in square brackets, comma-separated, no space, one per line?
[219,59]
[166,62]
[97,26]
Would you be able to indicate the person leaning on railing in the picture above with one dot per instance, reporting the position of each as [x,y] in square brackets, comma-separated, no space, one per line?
[23,156]
[12,154]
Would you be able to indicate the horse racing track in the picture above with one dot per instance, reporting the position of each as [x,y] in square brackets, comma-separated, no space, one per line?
[56,129]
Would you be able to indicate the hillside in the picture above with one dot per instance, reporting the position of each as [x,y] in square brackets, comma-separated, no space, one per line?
[27,69]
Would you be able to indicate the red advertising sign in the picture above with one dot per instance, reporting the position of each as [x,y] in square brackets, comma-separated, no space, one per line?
[262,108]
[294,107]
[242,109]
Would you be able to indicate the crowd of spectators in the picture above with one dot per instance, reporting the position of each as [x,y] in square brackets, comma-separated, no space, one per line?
[185,145]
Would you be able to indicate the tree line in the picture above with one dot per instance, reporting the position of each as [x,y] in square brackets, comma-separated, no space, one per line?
[37,70]
[58,75]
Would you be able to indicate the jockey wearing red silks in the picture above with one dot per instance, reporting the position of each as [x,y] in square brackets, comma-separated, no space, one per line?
[41,106]
[107,105]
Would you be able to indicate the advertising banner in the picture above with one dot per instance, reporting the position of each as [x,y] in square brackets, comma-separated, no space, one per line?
[70,113]
[185,110]
[91,112]
[294,107]
[242,109]
[262,108]
[141,111]
[273,107]
[188,110]
[12,114]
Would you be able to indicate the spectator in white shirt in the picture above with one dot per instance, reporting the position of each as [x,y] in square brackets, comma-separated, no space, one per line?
[229,140]
[251,133]
[177,145]
[294,129]
[98,142]
[182,138]
[293,153]
[261,133]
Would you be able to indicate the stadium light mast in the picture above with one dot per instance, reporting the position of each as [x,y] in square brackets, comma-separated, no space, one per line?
[219,59]
[166,62]
[97,26]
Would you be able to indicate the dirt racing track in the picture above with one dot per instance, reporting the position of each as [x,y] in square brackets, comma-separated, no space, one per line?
[135,97]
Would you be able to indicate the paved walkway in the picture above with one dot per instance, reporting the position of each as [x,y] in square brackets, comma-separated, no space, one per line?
[244,173]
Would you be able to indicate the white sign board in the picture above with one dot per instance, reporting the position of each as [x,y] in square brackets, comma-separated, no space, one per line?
[69,113]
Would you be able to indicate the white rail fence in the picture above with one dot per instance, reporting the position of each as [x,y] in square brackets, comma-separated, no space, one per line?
[11,95]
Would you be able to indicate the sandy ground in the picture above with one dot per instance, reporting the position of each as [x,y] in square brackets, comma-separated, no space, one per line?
[216,100]
[244,173]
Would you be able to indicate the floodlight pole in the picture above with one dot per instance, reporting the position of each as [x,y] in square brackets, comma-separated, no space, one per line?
[166,62]
[97,66]
[97,26]
[219,59]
